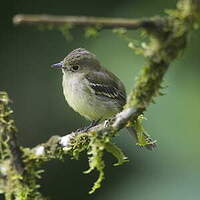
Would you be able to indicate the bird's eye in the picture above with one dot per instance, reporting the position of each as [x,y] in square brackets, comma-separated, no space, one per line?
[75,68]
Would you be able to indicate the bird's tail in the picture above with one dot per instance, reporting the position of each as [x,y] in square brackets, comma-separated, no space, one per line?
[151,144]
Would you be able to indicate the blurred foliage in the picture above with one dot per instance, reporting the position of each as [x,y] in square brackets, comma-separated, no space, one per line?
[171,172]
[91,32]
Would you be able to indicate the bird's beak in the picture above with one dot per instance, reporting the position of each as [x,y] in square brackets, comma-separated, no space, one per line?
[57,65]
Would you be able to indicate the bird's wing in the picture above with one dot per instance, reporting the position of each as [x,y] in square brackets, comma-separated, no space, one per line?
[106,84]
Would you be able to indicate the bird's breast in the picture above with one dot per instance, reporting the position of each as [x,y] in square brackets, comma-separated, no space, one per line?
[84,101]
[77,94]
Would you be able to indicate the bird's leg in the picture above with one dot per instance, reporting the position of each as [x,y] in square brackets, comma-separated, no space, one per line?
[85,129]
[94,123]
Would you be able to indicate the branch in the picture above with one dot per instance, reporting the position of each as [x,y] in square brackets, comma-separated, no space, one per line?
[15,177]
[82,21]
[8,133]
[57,144]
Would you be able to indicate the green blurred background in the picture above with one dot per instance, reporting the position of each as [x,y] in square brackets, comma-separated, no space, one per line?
[26,53]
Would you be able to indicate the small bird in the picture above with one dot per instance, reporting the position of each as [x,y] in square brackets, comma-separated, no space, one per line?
[90,89]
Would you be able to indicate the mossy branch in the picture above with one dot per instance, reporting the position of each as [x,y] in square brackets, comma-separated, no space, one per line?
[18,179]
[167,39]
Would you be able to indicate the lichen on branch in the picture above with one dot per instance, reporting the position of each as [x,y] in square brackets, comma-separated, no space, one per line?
[18,178]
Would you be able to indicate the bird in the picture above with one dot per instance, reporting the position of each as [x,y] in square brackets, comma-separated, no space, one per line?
[90,89]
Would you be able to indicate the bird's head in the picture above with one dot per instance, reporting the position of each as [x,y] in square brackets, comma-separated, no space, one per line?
[78,61]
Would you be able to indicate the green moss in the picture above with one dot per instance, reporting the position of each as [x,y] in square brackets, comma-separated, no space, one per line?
[92,32]
[64,29]
[18,173]
[97,145]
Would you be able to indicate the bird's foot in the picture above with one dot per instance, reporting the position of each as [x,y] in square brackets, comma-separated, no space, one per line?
[107,122]
[85,129]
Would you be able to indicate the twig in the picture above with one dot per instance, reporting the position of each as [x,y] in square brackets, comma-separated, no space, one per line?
[82,21]
[65,143]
